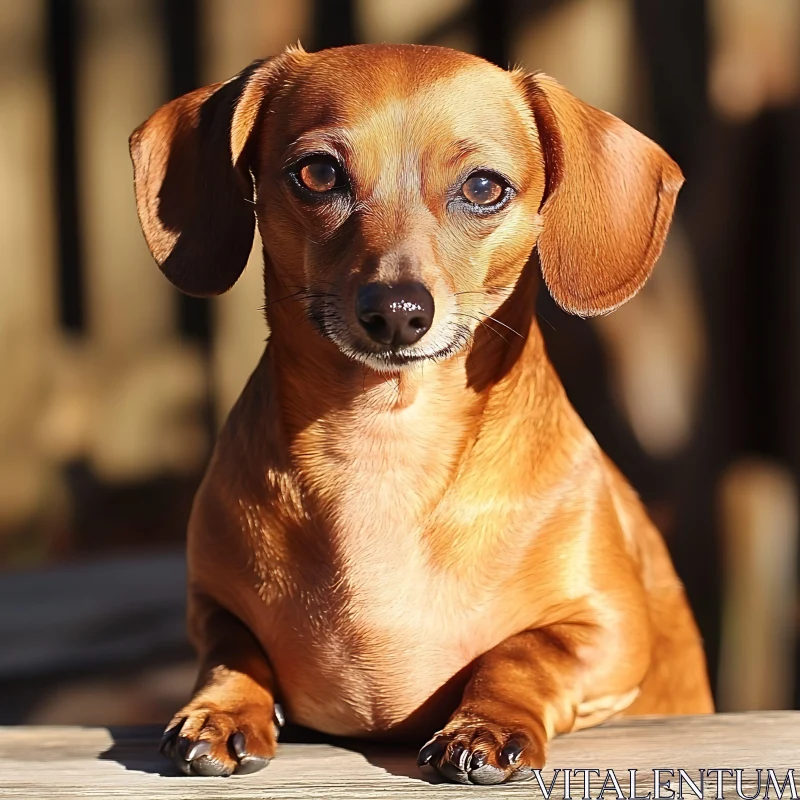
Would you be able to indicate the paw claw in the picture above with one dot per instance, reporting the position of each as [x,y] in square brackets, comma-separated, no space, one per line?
[214,742]
[510,754]
[458,757]
[239,745]
[168,739]
[250,764]
[208,767]
[428,752]
[481,754]
[182,747]
[478,760]
[198,749]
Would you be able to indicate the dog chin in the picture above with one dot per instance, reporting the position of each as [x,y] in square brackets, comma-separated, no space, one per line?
[393,361]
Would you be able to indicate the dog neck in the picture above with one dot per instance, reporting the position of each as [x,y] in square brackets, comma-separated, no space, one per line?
[337,415]
[384,449]
[315,381]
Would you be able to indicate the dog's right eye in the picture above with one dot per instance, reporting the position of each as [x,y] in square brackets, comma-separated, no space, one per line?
[320,174]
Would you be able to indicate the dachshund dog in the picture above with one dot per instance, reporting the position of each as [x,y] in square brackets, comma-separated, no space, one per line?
[405,530]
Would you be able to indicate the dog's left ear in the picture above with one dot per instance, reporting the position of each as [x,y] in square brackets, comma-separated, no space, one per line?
[194,189]
[609,197]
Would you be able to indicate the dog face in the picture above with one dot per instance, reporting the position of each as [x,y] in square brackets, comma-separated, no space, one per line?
[399,192]
[401,196]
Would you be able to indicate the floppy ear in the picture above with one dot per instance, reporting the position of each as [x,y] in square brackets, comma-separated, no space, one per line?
[609,197]
[194,191]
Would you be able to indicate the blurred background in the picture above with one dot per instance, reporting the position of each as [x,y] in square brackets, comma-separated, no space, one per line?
[113,385]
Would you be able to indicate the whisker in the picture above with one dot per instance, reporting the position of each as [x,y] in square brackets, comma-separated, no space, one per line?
[281,299]
[494,319]
[302,293]
[481,322]
[310,286]
[539,314]
[489,290]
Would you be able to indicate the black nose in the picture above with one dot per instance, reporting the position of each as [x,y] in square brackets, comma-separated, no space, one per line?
[394,315]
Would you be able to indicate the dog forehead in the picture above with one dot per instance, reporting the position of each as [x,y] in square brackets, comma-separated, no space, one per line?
[389,96]
[367,88]
[372,70]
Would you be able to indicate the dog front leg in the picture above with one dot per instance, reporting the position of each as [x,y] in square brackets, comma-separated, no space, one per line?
[523,691]
[231,724]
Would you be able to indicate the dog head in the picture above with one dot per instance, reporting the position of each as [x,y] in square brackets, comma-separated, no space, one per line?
[399,192]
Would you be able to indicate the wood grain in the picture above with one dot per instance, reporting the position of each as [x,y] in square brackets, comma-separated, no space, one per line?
[51,762]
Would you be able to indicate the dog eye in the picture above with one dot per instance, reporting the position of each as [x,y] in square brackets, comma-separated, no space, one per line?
[320,175]
[483,189]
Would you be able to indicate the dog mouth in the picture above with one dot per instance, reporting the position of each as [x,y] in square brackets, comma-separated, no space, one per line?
[394,359]
[386,359]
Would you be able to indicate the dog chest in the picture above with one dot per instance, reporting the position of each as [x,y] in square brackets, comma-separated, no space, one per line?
[391,630]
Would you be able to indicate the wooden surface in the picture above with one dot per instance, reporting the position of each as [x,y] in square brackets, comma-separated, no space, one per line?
[93,615]
[51,762]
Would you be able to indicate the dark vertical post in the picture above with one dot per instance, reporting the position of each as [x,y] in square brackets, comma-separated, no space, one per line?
[334,23]
[493,21]
[679,84]
[62,32]
[182,28]
[684,128]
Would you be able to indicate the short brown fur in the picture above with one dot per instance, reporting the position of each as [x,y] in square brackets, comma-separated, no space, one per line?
[392,551]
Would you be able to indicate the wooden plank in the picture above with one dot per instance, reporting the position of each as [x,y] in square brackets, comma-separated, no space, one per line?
[97,762]
[92,615]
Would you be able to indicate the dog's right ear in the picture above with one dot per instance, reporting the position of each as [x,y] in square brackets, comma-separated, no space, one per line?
[194,189]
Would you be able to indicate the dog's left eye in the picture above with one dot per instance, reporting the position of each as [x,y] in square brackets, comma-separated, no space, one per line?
[484,189]
[320,174]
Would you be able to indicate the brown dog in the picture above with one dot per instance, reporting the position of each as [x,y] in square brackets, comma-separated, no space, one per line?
[405,526]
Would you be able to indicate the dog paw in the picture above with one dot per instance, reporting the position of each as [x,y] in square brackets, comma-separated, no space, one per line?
[205,740]
[482,753]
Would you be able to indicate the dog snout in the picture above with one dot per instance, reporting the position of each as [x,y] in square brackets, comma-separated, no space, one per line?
[394,315]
